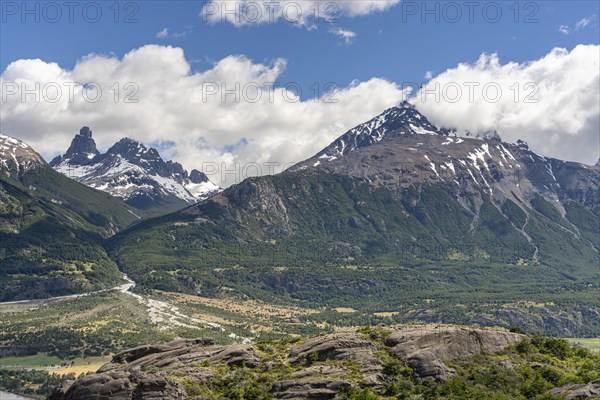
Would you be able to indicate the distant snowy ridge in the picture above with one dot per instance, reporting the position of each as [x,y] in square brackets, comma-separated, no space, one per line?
[131,171]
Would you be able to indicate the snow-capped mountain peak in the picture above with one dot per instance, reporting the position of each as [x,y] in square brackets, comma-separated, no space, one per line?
[17,156]
[131,148]
[400,149]
[404,119]
[132,171]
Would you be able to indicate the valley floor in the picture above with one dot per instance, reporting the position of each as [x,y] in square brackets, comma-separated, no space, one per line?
[71,336]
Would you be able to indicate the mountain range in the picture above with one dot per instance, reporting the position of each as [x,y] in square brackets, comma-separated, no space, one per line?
[395,215]
[52,228]
[131,171]
[396,211]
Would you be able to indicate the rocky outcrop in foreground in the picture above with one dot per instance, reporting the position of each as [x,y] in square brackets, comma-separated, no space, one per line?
[424,348]
[128,375]
[573,392]
[319,368]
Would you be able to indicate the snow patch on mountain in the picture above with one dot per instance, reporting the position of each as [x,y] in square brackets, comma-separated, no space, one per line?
[404,119]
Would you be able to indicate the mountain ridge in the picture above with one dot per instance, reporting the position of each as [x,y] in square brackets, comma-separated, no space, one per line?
[133,172]
[402,211]
[374,130]
[428,154]
[52,229]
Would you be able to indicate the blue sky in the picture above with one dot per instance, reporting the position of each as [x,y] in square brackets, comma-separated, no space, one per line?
[369,49]
[394,44]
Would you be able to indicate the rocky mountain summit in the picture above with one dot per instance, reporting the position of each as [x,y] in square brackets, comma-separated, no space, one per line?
[401,148]
[404,119]
[323,367]
[82,149]
[133,172]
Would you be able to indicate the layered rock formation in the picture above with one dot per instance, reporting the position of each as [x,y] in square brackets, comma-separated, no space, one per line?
[572,392]
[323,367]
[425,347]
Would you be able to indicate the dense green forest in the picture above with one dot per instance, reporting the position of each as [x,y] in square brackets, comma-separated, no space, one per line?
[51,235]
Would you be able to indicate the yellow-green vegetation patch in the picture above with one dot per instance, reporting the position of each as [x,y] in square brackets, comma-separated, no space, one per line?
[345,310]
[592,344]
[386,314]
[33,361]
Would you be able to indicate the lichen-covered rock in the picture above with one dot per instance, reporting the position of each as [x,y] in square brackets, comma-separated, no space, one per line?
[425,347]
[572,392]
[427,367]
[115,385]
[153,387]
[193,374]
[237,355]
[320,368]
[342,346]
[151,355]
[124,385]
[59,392]
[126,376]
[318,389]
[323,370]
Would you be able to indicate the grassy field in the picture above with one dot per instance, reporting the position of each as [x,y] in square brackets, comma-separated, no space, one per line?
[343,310]
[78,336]
[82,366]
[592,344]
[37,361]
[54,364]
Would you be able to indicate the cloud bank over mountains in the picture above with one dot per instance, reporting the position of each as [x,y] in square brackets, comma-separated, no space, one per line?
[553,103]
[234,113]
[231,113]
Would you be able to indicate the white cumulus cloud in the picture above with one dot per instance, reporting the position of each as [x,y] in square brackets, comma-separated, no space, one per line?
[227,113]
[347,35]
[553,103]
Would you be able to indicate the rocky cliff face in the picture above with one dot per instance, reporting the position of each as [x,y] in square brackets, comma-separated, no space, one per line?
[82,149]
[323,367]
